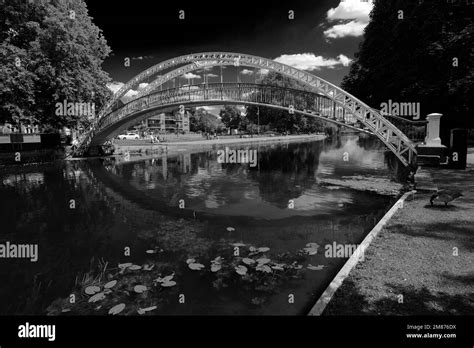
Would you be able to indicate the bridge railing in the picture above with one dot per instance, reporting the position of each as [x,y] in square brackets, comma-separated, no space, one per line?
[415,130]
[253,93]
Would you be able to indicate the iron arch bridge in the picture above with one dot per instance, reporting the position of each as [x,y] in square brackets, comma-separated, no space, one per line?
[324,100]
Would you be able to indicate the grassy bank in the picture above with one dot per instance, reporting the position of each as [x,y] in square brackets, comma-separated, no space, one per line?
[421,262]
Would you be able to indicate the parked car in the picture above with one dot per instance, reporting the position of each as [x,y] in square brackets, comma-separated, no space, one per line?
[129,136]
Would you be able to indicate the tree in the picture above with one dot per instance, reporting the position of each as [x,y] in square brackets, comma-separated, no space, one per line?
[50,52]
[231,117]
[427,57]
[201,120]
[282,120]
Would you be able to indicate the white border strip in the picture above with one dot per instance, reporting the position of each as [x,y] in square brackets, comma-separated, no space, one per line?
[327,295]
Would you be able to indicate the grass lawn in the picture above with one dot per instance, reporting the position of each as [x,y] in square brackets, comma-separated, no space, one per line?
[415,256]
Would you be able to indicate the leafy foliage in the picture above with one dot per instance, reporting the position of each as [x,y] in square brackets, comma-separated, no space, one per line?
[411,59]
[231,117]
[201,120]
[49,54]
[282,120]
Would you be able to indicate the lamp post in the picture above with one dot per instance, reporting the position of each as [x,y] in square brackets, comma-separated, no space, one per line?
[258,120]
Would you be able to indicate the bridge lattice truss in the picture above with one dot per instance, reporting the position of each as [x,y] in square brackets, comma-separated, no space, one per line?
[148,99]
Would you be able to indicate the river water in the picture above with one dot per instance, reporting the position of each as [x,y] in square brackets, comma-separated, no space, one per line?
[86,217]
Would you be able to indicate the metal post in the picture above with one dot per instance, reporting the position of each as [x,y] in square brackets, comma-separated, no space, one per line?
[258,120]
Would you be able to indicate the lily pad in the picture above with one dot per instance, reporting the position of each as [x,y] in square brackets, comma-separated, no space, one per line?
[168,283]
[315,268]
[110,284]
[230,229]
[151,251]
[188,261]
[242,270]
[91,290]
[263,261]
[278,267]
[97,297]
[238,244]
[215,267]
[135,267]
[263,249]
[311,248]
[168,278]
[117,309]
[125,265]
[252,249]
[248,261]
[148,267]
[263,268]
[196,266]
[139,289]
[218,260]
[144,310]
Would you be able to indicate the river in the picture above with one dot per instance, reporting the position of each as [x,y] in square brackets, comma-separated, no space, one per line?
[169,214]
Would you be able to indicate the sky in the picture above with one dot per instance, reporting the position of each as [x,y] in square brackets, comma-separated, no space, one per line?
[319,36]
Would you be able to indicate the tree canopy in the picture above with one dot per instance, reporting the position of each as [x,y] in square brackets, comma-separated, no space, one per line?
[418,51]
[50,52]
[201,120]
[281,120]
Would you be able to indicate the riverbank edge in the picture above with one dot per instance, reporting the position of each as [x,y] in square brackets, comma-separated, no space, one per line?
[173,148]
[320,305]
[421,262]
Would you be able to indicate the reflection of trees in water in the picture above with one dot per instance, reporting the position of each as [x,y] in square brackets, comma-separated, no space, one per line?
[283,173]
[398,171]
[286,172]
[368,142]
[41,214]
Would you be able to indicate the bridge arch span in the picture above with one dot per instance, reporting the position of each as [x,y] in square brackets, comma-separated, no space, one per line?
[370,118]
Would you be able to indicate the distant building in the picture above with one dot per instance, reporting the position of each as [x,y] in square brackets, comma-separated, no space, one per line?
[8,128]
[169,123]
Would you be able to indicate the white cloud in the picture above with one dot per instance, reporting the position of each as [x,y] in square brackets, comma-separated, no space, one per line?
[345,61]
[309,61]
[130,93]
[352,28]
[191,76]
[263,71]
[246,72]
[352,16]
[212,75]
[115,86]
[351,9]
[142,85]
[142,57]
